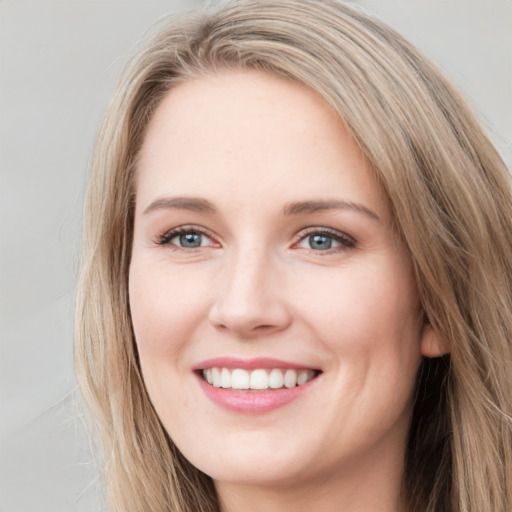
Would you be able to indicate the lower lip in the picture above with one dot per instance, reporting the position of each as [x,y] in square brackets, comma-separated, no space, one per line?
[253,402]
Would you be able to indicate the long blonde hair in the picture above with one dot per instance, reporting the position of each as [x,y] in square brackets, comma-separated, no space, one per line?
[451,198]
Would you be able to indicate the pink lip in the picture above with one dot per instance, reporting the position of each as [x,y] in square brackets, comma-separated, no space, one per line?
[249,364]
[247,401]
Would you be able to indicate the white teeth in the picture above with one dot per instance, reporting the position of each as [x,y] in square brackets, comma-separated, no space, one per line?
[275,379]
[290,378]
[304,376]
[216,377]
[240,379]
[258,379]
[225,378]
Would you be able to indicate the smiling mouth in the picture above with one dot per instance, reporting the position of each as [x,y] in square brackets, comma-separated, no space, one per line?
[258,379]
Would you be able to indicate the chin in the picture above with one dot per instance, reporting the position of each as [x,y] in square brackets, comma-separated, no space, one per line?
[253,459]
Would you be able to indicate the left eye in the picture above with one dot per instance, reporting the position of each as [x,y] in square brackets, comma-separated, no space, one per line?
[319,242]
[323,241]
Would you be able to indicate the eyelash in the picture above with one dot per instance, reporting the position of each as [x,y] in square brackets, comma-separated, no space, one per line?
[166,238]
[346,241]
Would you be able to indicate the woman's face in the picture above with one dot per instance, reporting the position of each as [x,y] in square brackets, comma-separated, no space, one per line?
[264,256]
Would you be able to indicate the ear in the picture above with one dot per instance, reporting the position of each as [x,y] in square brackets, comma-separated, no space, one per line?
[431,343]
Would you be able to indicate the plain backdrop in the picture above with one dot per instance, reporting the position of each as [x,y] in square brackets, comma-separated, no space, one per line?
[59,61]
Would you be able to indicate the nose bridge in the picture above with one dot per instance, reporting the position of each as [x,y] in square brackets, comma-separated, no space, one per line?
[248,301]
[247,269]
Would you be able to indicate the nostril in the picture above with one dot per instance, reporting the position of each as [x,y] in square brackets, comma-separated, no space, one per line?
[264,327]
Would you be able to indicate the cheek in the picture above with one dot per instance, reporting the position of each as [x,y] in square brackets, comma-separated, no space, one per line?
[168,311]
[367,309]
[369,323]
[166,307]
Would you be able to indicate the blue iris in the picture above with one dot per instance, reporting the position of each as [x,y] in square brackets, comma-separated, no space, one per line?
[190,240]
[320,242]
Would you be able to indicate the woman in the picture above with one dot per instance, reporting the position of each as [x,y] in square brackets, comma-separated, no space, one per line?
[296,279]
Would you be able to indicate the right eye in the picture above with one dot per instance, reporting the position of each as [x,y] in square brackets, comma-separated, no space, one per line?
[186,238]
[189,240]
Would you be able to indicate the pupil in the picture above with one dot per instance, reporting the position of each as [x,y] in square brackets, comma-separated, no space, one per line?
[320,242]
[190,240]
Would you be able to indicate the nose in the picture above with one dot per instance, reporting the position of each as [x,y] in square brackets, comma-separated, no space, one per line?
[250,299]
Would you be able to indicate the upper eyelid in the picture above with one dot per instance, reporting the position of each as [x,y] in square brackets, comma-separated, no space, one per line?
[324,230]
[320,229]
[191,229]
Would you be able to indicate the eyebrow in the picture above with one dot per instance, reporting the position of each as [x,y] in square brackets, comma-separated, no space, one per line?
[330,204]
[194,204]
[201,205]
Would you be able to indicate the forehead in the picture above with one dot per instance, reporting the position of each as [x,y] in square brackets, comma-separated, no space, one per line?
[246,134]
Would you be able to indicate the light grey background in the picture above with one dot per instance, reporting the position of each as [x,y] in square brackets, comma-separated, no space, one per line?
[58,64]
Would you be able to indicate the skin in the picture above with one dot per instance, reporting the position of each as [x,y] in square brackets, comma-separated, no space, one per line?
[250,144]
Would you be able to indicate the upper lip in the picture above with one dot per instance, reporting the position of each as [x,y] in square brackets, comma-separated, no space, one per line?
[250,364]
